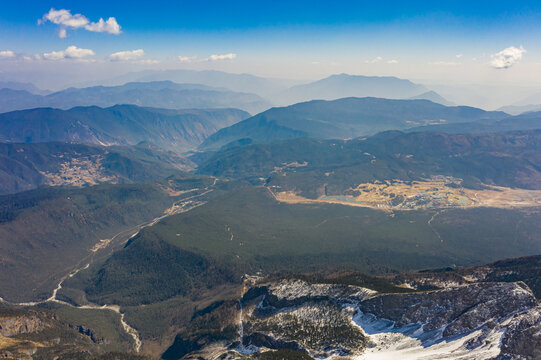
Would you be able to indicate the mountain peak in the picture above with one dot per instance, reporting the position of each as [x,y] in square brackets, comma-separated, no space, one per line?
[434,97]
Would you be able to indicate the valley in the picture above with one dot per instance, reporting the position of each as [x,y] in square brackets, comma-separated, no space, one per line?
[187,203]
[365,217]
[436,193]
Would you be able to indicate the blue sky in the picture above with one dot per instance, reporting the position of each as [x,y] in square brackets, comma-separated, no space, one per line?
[427,40]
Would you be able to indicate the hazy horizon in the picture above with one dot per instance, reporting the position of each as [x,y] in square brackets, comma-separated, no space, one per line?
[487,44]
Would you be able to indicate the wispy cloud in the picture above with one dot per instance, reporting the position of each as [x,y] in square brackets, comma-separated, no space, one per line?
[458,56]
[187,59]
[507,57]
[7,54]
[128,55]
[133,56]
[374,60]
[379,59]
[216,57]
[66,20]
[71,52]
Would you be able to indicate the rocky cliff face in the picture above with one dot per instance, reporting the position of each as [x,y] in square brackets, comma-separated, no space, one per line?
[526,269]
[15,325]
[487,320]
[32,333]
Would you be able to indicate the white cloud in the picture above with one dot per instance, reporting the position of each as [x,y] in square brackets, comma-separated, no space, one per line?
[186,59]
[374,60]
[72,52]
[394,61]
[216,57]
[445,63]
[7,54]
[65,19]
[458,56]
[507,57]
[110,26]
[128,55]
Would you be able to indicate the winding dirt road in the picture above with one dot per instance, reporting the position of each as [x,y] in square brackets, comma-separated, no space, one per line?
[99,250]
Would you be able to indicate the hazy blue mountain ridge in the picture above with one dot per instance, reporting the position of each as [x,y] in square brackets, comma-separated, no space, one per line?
[344,118]
[162,94]
[177,130]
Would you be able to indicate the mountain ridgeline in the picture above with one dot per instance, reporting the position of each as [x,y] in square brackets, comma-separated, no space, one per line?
[284,91]
[434,97]
[527,121]
[345,85]
[264,87]
[330,167]
[161,94]
[343,119]
[177,130]
[28,87]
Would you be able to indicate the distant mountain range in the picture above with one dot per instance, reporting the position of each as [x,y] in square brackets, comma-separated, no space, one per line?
[344,118]
[31,88]
[177,130]
[286,92]
[177,89]
[162,94]
[521,109]
[345,85]
[236,82]
[530,103]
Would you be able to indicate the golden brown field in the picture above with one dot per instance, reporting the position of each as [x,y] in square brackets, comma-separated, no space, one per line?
[437,192]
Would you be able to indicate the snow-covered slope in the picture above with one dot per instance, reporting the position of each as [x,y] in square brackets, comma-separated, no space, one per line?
[491,320]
